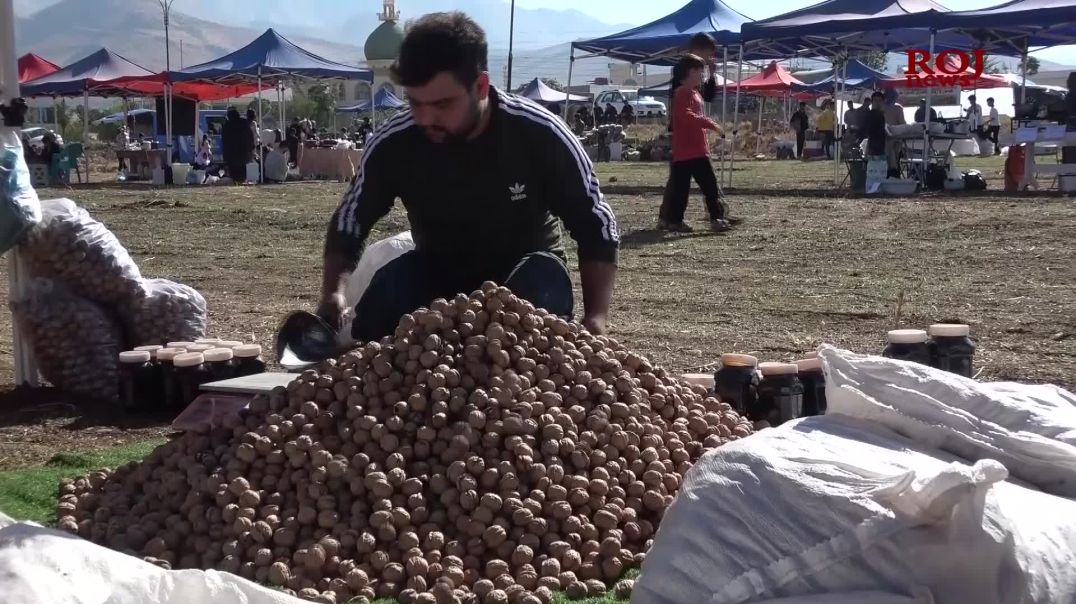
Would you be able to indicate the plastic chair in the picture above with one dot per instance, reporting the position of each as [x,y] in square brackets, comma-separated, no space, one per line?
[66,161]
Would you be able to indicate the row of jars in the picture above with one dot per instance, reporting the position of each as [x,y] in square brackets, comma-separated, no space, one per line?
[945,346]
[772,393]
[169,377]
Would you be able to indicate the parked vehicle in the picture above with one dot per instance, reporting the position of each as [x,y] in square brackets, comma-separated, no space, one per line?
[642,106]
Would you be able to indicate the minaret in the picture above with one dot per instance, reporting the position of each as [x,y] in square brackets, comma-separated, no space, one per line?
[389,12]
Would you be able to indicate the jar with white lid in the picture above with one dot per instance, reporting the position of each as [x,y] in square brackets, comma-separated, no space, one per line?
[907,345]
[951,348]
[248,360]
[780,393]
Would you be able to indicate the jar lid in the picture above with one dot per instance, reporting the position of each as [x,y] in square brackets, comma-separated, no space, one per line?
[778,368]
[188,359]
[135,356]
[200,347]
[248,351]
[215,355]
[152,349]
[229,343]
[169,354]
[811,355]
[213,341]
[179,344]
[907,336]
[949,330]
[738,360]
[809,364]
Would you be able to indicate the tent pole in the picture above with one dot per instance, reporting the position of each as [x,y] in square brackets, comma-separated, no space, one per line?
[86,129]
[926,125]
[568,87]
[736,113]
[758,135]
[257,151]
[838,110]
[724,100]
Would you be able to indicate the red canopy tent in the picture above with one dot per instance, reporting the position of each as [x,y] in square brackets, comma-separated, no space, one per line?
[32,67]
[153,85]
[772,79]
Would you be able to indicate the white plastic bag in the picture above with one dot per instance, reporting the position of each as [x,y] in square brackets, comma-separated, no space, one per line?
[169,312]
[1030,429]
[75,341]
[19,207]
[375,256]
[82,254]
[833,504]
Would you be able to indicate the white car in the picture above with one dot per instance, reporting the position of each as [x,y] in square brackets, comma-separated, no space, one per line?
[642,106]
[36,134]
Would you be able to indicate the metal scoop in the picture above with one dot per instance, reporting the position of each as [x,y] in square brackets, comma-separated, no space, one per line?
[304,339]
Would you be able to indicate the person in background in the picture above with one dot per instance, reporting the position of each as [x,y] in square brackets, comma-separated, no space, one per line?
[921,113]
[293,135]
[556,109]
[875,127]
[894,116]
[974,114]
[237,145]
[851,123]
[252,120]
[825,123]
[123,141]
[627,115]
[799,124]
[610,114]
[690,152]
[993,125]
[204,156]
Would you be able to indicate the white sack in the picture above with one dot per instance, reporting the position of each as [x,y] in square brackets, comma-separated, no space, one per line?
[375,256]
[39,565]
[1029,429]
[834,504]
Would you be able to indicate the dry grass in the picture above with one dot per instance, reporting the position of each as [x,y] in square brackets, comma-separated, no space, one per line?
[810,265]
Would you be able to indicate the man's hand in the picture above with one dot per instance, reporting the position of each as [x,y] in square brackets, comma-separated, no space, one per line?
[332,310]
[595,324]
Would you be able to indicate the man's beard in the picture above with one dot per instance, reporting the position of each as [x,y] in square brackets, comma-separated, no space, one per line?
[474,115]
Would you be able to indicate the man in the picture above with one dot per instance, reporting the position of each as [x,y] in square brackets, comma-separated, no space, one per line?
[701,45]
[993,125]
[974,114]
[894,116]
[921,113]
[851,120]
[876,131]
[799,124]
[825,124]
[237,145]
[293,139]
[483,176]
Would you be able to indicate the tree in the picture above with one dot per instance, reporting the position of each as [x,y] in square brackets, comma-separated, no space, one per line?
[267,107]
[1033,66]
[323,97]
[876,60]
[992,66]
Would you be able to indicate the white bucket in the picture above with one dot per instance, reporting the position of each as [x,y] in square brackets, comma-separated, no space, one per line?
[616,151]
[179,173]
[158,177]
[252,172]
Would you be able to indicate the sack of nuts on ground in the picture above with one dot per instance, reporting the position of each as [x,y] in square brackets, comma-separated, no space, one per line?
[169,312]
[76,342]
[486,452]
[69,246]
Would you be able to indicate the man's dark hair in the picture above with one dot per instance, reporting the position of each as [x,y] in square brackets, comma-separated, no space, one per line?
[972,98]
[438,42]
[878,94]
[990,100]
[702,40]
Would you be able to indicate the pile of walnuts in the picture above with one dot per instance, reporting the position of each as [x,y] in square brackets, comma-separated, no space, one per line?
[486,452]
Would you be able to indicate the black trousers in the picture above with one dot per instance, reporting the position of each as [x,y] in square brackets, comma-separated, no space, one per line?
[992,134]
[416,279]
[679,189]
[801,138]
[828,141]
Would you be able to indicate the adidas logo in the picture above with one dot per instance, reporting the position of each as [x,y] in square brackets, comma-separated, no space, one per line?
[518,191]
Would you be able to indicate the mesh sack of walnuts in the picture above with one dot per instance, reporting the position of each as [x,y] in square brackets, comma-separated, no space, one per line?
[76,343]
[169,312]
[69,246]
[487,452]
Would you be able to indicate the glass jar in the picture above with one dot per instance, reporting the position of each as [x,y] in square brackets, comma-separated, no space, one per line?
[221,363]
[950,348]
[191,373]
[907,345]
[814,386]
[780,393]
[736,381]
[248,360]
[139,383]
[170,392]
[214,342]
[179,345]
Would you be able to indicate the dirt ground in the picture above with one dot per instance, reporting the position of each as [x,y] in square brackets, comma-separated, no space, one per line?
[811,265]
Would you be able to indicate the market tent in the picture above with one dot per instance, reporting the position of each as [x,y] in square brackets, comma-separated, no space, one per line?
[32,66]
[155,85]
[1017,26]
[383,100]
[269,56]
[772,79]
[94,73]
[855,75]
[660,42]
[537,90]
[837,27]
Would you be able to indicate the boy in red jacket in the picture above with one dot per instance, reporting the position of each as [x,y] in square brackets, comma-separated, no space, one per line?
[691,155]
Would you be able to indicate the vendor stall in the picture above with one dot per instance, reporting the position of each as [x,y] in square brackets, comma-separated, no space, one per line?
[334,164]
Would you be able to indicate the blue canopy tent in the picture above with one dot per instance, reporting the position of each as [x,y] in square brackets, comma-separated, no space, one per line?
[271,57]
[1017,26]
[536,90]
[854,74]
[383,100]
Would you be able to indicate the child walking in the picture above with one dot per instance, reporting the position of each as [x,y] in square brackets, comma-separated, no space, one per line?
[690,153]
